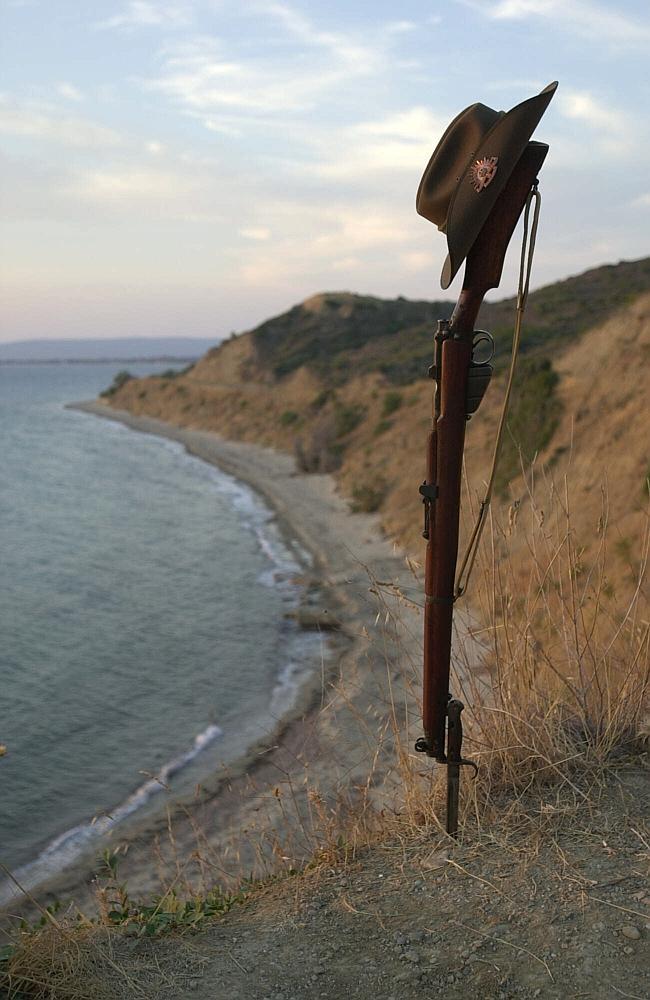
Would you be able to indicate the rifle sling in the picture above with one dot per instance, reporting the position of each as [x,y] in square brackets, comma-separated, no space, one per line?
[525,266]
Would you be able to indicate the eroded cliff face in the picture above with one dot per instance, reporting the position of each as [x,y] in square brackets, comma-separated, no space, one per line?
[371,433]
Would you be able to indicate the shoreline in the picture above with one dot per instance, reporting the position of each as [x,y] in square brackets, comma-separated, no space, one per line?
[342,545]
[265,471]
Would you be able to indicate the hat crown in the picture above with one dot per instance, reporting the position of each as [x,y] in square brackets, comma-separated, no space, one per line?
[469,168]
[451,159]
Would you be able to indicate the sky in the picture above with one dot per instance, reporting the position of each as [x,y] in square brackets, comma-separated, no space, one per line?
[192,167]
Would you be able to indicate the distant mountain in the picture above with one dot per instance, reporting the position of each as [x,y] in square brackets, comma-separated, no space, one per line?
[113,349]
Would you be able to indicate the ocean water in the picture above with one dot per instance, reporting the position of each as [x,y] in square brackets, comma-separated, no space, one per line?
[143,637]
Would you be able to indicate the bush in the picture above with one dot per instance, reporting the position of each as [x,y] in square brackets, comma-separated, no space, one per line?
[119,380]
[288,417]
[532,418]
[366,499]
[319,401]
[320,452]
[392,402]
[382,427]
[347,418]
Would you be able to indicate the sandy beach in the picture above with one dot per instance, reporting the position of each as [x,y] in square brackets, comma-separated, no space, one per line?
[340,728]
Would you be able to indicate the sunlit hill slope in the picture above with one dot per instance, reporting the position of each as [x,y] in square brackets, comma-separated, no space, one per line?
[341,380]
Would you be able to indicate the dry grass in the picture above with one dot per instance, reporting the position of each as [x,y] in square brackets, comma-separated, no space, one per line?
[78,962]
[561,694]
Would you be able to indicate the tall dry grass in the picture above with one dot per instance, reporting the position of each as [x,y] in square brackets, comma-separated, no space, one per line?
[553,666]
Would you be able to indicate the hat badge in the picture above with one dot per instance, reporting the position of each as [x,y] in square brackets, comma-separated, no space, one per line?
[483,172]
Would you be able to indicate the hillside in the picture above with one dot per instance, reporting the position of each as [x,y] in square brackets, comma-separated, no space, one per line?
[338,380]
[338,335]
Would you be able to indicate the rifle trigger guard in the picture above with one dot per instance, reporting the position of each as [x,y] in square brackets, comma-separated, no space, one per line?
[470,763]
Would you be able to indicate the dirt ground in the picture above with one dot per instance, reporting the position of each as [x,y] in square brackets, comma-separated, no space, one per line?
[567,917]
[559,909]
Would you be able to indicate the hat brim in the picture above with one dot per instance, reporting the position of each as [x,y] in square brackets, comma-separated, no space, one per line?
[469,209]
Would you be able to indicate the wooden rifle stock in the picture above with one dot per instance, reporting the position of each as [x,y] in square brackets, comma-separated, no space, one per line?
[441,490]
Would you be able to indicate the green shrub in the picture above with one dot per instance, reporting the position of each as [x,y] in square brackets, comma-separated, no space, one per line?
[382,427]
[366,498]
[532,418]
[288,417]
[347,418]
[118,381]
[319,401]
[392,402]
[320,451]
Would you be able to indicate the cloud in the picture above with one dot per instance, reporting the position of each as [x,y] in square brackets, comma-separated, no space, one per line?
[585,107]
[401,142]
[358,56]
[146,14]
[314,243]
[284,65]
[207,82]
[70,92]
[613,132]
[584,17]
[400,27]
[45,122]
[129,185]
[346,264]
[363,158]
[412,124]
[417,260]
[258,233]
[28,190]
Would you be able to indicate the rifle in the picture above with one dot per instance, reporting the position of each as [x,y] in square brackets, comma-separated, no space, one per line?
[460,382]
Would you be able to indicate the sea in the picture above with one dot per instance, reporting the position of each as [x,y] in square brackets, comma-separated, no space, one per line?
[146,636]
